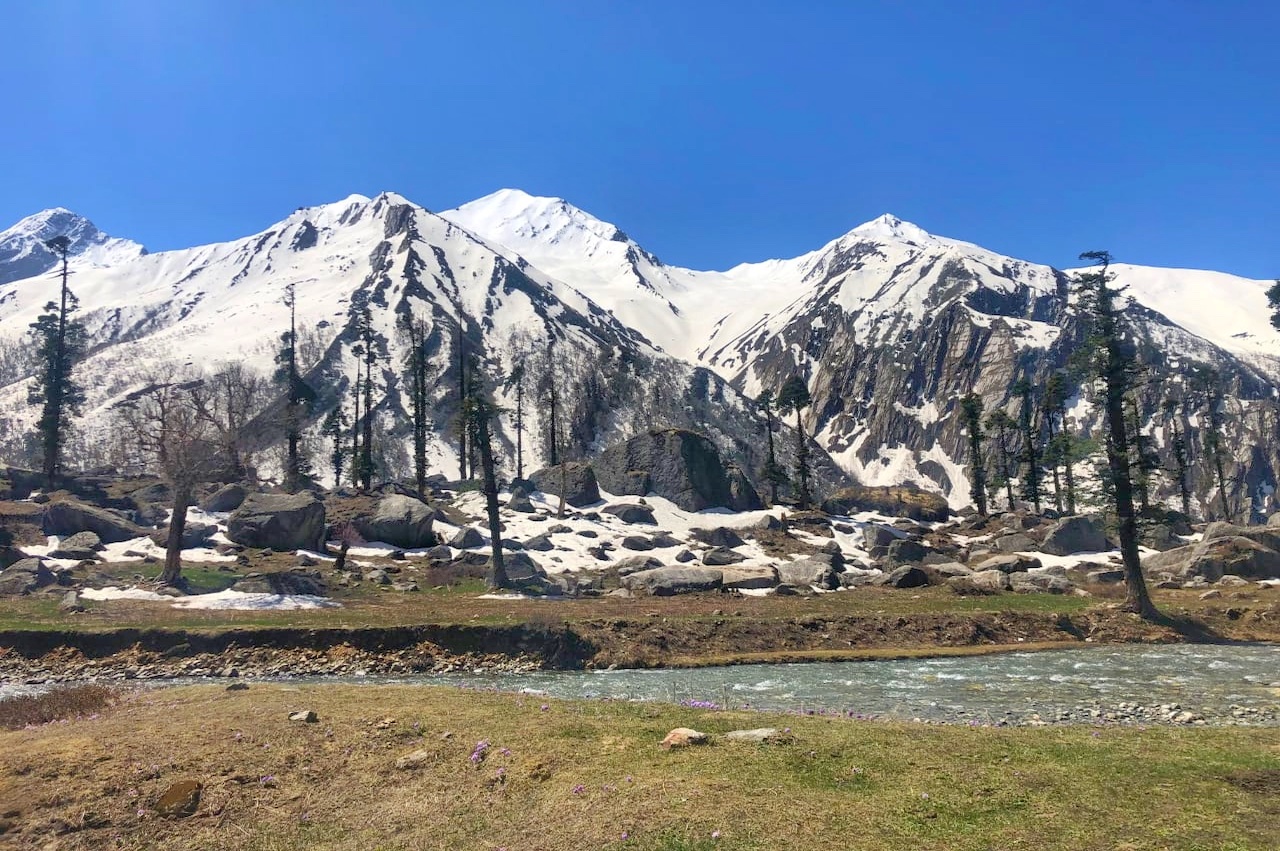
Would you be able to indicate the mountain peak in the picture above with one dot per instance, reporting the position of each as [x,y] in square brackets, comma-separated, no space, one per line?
[514,216]
[23,252]
[891,227]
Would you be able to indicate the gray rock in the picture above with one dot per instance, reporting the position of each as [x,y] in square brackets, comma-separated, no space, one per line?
[682,466]
[67,518]
[1105,576]
[306,716]
[25,576]
[718,537]
[748,578]
[377,576]
[525,574]
[1012,563]
[400,521]
[685,556]
[286,582]
[759,736]
[70,603]
[1015,544]
[986,580]
[874,535]
[907,550]
[1213,558]
[1161,537]
[467,538]
[772,523]
[539,543]
[949,569]
[281,522]
[193,535]
[663,540]
[907,576]
[1072,535]
[581,488]
[639,543]
[635,564]
[80,546]
[631,513]
[813,570]
[1044,583]
[718,556]
[226,498]
[670,581]
[440,552]
[404,587]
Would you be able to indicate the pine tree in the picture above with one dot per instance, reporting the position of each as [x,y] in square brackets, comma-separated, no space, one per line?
[971,410]
[298,396]
[1208,383]
[418,364]
[1062,445]
[1112,357]
[1004,427]
[1178,449]
[334,428]
[773,472]
[357,389]
[516,381]
[463,427]
[60,343]
[794,396]
[1146,458]
[1030,437]
[479,413]
[368,346]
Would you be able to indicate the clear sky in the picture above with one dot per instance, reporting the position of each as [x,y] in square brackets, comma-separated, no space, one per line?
[712,132]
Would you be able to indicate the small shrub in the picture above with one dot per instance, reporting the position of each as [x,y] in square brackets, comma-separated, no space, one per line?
[56,705]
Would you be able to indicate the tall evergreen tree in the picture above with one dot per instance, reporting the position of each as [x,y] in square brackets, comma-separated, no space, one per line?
[1178,449]
[516,381]
[773,472]
[369,347]
[971,410]
[334,428]
[298,396]
[479,413]
[1146,458]
[1208,384]
[1111,363]
[1003,425]
[1030,439]
[463,425]
[1062,445]
[418,365]
[549,382]
[357,390]
[60,343]
[794,396]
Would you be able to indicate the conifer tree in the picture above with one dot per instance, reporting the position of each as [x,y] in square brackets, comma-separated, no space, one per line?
[971,410]
[553,407]
[298,396]
[463,426]
[60,343]
[773,472]
[1146,458]
[479,413]
[357,389]
[369,348]
[516,381]
[1061,446]
[1208,383]
[418,364]
[1003,425]
[334,428]
[1111,362]
[1178,449]
[1029,456]
[794,396]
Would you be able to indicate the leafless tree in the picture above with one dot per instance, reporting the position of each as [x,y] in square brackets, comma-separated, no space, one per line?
[236,395]
[174,431]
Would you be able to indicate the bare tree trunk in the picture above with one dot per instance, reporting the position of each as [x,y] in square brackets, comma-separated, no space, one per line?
[482,442]
[177,525]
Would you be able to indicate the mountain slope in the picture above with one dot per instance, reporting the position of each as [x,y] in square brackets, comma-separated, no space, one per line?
[23,253]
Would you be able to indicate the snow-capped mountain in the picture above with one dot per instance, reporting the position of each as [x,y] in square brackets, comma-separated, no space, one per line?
[23,253]
[889,324]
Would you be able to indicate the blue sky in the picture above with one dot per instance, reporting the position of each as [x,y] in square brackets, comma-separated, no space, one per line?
[712,132]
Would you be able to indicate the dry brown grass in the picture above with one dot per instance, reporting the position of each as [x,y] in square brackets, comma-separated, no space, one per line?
[578,775]
[60,704]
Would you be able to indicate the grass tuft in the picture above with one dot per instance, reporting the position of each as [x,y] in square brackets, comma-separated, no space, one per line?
[60,704]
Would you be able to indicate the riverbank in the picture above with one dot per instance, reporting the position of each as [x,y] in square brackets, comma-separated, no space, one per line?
[464,632]
[438,767]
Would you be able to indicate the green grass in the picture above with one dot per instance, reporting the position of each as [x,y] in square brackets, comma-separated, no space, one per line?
[580,774]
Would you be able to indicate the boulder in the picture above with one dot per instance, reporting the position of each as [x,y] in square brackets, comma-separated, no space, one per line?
[180,800]
[539,543]
[440,552]
[635,564]
[226,498]
[758,736]
[67,518]
[669,581]
[986,580]
[907,576]
[400,521]
[1213,558]
[1018,543]
[286,582]
[907,550]
[1268,537]
[525,574]
[80,546]
[1105,575]
[718,537]
[748,578]
[718,556]
[70,603]
[1011,563]
[520,501]
[679,465]
[281,522]
[950,569]
[685,556]
[814,570]
[1039,583]
[631,513]
[467,538]
[663,540]
[25,576]
[894,500]
[875,535]
[193,535]
[1072,535]
[580,485]
[639,543]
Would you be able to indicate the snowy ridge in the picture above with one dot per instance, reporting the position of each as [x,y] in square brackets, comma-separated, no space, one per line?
[23,252]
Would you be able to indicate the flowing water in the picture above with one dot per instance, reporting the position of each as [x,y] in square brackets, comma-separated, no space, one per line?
[1127,683]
